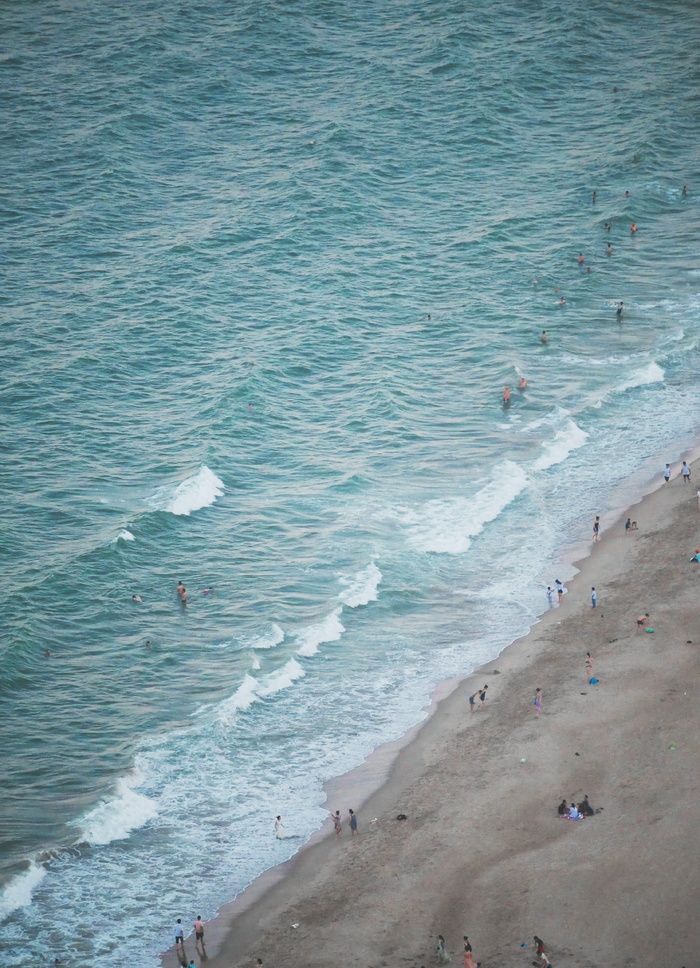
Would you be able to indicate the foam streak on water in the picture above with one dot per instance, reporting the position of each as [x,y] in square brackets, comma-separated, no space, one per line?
[264,281]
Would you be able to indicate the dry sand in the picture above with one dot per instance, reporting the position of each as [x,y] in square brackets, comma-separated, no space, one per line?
[483,851]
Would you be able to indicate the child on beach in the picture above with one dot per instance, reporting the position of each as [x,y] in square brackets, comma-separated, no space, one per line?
[472,701]
[538,701]
[642,621]
[589,665]
[337,823]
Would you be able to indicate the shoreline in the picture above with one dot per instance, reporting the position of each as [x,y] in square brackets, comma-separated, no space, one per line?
[383,780]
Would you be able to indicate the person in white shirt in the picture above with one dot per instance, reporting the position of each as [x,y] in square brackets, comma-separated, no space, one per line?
[667,473]
[685,471]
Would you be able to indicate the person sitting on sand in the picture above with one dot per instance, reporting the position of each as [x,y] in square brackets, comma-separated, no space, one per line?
[563,809]
[573,812]
[585,808]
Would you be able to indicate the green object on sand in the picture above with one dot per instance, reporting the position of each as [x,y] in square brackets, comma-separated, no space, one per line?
[672,746]
[650,630]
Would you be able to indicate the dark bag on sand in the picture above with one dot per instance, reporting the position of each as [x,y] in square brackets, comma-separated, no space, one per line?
[402,816]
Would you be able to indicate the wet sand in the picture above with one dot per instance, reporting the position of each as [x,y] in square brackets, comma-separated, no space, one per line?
[482,851]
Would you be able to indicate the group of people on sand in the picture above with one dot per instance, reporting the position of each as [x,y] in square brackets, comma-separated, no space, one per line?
[577,811]
[468,954]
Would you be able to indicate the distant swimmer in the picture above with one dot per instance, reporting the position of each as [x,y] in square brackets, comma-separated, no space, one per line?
[620,309]
[183,596]
[633,227]
[47,652]
[627,194]
[684,191]
[136,598]
[581,260]
[148,643]
[534,282]
[543,337]
[506,395]
[522,385]
[608,251]
[180,588]
[595,197]
[207,591]
[607,226]
[562,301]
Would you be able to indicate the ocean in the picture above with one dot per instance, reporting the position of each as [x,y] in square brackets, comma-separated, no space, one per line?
[267,269]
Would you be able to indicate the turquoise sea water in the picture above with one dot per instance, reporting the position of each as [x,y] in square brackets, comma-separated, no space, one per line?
[266,271]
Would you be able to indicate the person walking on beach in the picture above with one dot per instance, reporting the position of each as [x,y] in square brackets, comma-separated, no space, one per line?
[642,621]
[538,701]
[179,934]
[685,471]
[589,665]
[354,832]
[337,824]
[468,955]
[667,473]
[199,931]
[560,589]
[596,529]
[594,597]
[472,701]
[482,697]
[628,525]
[443,957]
[543,959]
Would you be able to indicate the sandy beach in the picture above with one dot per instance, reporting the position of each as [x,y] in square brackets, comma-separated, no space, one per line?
[483,852]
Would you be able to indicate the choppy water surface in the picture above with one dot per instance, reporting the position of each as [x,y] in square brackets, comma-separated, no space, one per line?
[267,268]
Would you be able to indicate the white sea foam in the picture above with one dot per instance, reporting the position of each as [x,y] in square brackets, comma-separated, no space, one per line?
[652,373]
[252,690]
[115,817]
[123,535]
[198,491]
[329,630]
[256,663]
[280,679]
[18,892]
[447,527]
[269,639]
[242,699]
[568,438]
[362,587]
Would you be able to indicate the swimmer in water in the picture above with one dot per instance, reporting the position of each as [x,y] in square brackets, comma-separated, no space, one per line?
[581,260]
[562,301]
[627,194]
[183,596]
[522,385]
[608,251]
[148,643]
[633,227]
[620,309]
[47,652]
[534,282]
[684,191]
[607,226]
[180,588]
[595,196]
[506,395]
[543,337]
[136,598]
